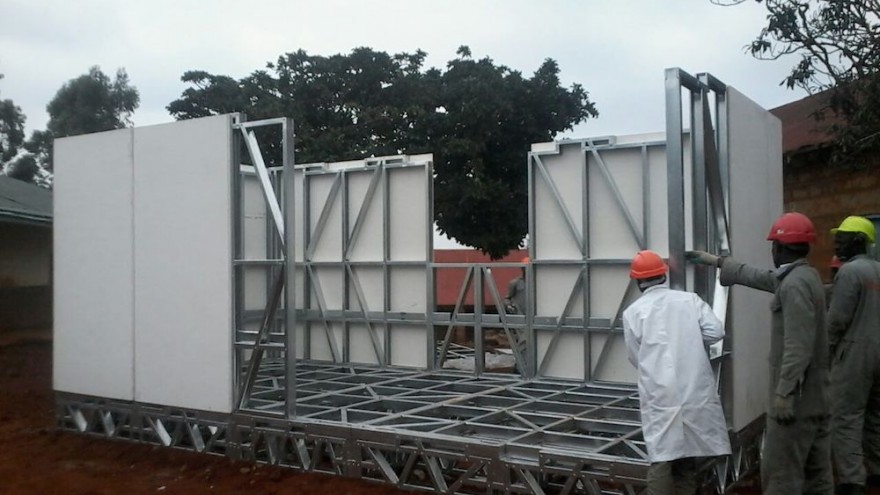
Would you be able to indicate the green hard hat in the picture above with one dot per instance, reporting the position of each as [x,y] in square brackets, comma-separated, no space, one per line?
[857,224]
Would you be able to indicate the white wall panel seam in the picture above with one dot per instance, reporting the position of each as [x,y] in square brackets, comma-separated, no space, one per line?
[131,200]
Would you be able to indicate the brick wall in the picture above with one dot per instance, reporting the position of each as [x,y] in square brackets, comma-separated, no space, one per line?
[828,196]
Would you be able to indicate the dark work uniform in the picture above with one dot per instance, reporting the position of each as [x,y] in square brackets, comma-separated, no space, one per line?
[796,457]
[854,331]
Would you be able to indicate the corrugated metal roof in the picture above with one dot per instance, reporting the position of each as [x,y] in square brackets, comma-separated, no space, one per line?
[21,202]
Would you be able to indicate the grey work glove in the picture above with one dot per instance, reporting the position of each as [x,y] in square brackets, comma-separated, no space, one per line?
[783,409]
[702,258]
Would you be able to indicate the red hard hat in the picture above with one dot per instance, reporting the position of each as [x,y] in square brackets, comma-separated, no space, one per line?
[647,264]
[835,262]
[792,228]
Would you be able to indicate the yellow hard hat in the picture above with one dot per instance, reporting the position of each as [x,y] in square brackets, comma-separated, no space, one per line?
[857,224]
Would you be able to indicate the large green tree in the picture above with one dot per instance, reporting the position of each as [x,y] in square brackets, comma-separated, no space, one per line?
[14,161]
[25,168]
[477,118]
[88,103]
[836,45]
[11,131]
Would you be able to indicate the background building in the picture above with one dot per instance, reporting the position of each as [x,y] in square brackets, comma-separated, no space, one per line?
[25,255]
[811,185]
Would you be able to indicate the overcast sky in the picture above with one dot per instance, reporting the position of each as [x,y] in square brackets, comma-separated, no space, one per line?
[617,49]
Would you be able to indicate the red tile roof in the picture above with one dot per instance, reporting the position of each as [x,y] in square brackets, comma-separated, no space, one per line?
[800,129]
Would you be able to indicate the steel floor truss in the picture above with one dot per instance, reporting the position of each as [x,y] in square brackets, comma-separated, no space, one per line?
[440,432]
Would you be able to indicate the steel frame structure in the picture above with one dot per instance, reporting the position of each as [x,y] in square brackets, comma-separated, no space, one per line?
[260,316]
[430,429]
[342,247]
[577,318]
[427,431]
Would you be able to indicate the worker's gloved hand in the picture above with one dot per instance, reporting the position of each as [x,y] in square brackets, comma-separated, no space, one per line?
[783,409]
[701,258]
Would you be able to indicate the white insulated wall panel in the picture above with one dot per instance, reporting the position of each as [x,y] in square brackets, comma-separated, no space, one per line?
[756,181]
[610,235]
[325,237]
[368,280]
[553,287]
[183,291]
[323,197]
[294,206]
[558,187]
[373,253]
[608,284]
[297,209]
[408,345]
[327,291]
[362,348]
[411,229]
[367,243]
[254,236]
[565,358]
[622,192]
[558,179]
[658,206]
[410,237]
[93,263]
[614,366]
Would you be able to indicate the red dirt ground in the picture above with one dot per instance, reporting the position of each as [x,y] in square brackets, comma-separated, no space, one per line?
[35,458]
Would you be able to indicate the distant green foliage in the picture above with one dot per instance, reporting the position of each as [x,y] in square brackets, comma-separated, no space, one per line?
[11,130]
[476,117]
[837,44]
[88,103]
[14,161]
[24,168]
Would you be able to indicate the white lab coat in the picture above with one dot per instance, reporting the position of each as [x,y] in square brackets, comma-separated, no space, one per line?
[666,334]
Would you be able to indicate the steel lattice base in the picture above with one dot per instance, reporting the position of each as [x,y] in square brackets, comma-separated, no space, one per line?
[430,431]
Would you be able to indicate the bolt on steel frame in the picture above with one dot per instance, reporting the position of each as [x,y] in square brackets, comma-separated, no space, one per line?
[304,401]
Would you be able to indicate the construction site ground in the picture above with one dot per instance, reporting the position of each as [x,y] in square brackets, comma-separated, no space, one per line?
[36,458]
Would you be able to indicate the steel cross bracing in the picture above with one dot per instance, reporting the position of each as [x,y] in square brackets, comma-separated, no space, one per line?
[479,282]
[259,264]
[436,431]
[360,263]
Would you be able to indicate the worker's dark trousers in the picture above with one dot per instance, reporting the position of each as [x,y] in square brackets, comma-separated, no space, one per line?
[797,457]
[855,411]
[678,477]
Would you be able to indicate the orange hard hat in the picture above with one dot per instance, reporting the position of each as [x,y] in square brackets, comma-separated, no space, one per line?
[524,260]
[792,228]
[835,262]
[647,264]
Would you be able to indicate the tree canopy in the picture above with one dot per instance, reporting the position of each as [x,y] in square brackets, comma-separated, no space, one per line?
[88,103]
[837,47]
[477,118]
[11,131]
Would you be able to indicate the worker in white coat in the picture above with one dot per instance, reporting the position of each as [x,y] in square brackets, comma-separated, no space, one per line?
[667,336]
